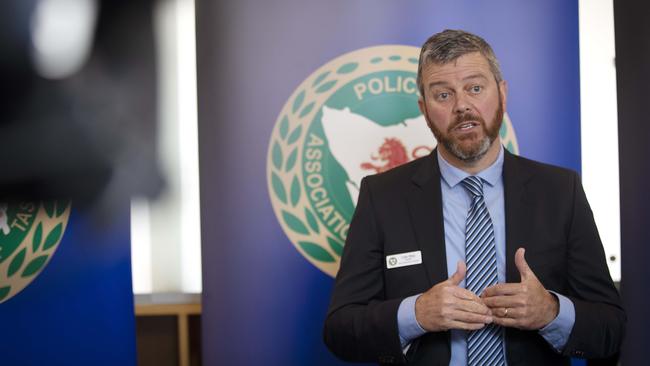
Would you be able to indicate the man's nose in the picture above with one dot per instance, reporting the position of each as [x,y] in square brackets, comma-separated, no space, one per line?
[462,105]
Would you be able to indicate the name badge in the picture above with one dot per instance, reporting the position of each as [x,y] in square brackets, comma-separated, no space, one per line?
[404,259]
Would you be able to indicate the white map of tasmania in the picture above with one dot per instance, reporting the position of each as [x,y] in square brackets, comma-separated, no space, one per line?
[363,147]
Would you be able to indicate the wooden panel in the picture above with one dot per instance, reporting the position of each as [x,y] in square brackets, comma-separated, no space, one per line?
[157,339]
[169,334]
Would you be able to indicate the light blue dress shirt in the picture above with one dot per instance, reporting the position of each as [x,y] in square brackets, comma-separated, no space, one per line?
[456,202]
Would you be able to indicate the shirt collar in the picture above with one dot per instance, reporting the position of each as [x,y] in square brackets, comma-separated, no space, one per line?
[453,175]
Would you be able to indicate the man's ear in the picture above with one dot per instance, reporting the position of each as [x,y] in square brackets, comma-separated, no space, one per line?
[503,90]
[423,110]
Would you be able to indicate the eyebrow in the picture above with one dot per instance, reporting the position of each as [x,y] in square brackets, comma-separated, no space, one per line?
[469,77]
[475,76]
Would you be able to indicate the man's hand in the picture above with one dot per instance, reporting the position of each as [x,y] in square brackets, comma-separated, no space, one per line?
[447,306]
[524,305]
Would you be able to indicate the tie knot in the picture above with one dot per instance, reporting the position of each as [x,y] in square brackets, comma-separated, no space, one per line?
[474,185]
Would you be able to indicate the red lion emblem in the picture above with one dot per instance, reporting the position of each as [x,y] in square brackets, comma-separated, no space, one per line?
[392,153]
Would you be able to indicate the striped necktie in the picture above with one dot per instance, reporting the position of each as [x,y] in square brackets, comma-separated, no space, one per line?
[484,346]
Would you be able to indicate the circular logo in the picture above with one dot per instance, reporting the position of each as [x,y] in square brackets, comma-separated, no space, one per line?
[30,232]
[357,115]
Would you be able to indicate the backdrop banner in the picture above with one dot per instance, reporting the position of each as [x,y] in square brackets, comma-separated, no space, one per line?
[300,100]
[65,287]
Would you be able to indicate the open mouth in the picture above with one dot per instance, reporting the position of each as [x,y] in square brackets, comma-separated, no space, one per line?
[466,126]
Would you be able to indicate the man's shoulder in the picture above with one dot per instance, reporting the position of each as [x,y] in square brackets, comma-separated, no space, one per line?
[402,174]
[539,170]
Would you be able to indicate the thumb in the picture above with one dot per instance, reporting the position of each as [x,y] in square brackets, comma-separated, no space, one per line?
[458,276]
[520,261]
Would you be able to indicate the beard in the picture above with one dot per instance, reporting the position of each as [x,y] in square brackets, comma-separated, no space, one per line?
[464,148]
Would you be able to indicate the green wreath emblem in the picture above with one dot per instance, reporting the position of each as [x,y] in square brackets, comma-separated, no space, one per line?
[286,187]
[35,249]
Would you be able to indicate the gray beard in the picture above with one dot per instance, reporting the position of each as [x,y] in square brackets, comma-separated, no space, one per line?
[472,155]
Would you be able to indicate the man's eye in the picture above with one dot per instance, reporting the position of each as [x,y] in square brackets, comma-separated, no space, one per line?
[476,89]
[443,96]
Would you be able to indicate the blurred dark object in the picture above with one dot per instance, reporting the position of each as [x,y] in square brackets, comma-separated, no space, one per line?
[632,30]
[89,137]
[15,37]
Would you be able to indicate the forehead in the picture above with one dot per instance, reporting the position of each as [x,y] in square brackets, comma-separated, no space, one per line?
[471,64]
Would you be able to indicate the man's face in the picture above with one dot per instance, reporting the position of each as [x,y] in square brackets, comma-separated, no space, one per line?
[463,105]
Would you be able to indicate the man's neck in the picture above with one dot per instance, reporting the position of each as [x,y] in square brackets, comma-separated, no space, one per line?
[473,167]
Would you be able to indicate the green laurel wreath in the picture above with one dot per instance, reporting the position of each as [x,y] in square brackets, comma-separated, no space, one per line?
[284,156]
[302,222]
[41,244]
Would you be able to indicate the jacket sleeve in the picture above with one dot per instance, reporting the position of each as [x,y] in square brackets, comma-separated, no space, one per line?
[361,324]
[600,319]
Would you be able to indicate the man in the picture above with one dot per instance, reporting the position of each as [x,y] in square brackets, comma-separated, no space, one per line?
[472,256]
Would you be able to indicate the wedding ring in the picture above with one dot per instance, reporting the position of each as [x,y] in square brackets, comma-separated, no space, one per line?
[505,313]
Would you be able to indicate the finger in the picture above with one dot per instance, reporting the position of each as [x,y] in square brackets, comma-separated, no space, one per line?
[512,313]
[465,294]
[458,276]
[510,301]
[469,317]
[508,312]
[507,322]
[501,289]
[473,307]
[522,265]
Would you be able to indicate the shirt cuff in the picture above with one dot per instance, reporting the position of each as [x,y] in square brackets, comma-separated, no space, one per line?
[558,331]
[407,324]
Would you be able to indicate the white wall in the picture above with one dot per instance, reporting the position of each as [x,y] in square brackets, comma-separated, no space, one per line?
[599,124]
[166,233]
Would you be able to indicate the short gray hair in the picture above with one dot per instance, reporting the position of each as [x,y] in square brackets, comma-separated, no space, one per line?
[449,45]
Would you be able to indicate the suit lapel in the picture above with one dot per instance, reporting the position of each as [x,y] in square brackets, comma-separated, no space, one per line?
[425,207]
[515,178]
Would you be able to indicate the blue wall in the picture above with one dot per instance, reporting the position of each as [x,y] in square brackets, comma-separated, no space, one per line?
[79,310]
[263,302]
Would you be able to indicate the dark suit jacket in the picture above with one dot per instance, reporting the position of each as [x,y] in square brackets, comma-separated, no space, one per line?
[401,211]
